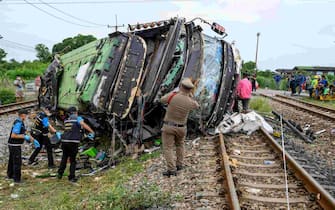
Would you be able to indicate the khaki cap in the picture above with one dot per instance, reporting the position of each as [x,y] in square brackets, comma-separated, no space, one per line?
[187,83]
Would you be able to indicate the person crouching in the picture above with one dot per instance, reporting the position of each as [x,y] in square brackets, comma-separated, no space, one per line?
[40,132]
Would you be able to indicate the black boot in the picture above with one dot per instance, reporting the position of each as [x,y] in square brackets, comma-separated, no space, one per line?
[169,173]
[74,179]
[59,176]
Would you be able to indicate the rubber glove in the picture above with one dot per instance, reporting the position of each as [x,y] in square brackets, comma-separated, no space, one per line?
[90,136]
[27,138]
[59,135]
[36,144]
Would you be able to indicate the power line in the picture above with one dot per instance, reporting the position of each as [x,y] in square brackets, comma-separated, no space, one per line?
[67,14]
[16,47]
[17,2]
[57,17]
[19,44]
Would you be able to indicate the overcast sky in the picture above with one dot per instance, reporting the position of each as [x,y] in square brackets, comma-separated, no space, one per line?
[293,32]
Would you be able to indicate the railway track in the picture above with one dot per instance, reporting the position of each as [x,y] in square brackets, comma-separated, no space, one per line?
[9,108]
[309,107]
[258,174]
[317,167]
[246,172]
[321,108]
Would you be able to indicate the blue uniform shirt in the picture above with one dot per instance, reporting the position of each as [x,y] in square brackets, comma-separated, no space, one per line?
[45,122]
[79,119]
[17,126]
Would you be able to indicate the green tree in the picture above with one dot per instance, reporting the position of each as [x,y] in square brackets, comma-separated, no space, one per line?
[3,54]
[72,43]
[249,67]
[43,53]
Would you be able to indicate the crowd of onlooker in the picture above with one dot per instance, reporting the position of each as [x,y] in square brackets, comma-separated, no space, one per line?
[320,86]
[316,85]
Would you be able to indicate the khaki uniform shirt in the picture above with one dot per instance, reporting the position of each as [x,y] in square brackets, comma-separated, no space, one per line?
[179,107]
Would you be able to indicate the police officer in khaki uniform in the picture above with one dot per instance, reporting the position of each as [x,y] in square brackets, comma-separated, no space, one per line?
[174,128]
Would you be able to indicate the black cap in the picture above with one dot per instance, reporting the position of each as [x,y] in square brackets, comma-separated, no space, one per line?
[72,109]
[23,111]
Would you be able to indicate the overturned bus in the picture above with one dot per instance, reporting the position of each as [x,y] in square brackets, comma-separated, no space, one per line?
[116,82]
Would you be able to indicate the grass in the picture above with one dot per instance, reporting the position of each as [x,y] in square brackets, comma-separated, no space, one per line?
[330,104]
[109,190]
[7,95]
[260,104]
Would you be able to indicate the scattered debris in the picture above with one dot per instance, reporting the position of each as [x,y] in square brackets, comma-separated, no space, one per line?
[252,190]
[292,126]
[14,196]
[269,162]
[320,131]
[276,134]
[233,162]
[247,123]
[151,150]
[307,126]
[236,152]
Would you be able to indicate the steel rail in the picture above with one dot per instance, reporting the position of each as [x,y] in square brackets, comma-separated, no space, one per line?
[313,111]
[325,200]
[327,109]
[228,182]
[8,108]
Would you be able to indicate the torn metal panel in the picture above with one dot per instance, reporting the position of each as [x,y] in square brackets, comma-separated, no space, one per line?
[195,54]
[69,91]
[104,70]
[48,94]
[110,76]
[173,76]
[156,76]
[129,77]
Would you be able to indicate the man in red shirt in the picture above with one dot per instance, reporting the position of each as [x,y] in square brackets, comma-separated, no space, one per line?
[243,91]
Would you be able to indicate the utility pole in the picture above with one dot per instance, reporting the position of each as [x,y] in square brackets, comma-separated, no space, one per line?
[116,25]
[256,58]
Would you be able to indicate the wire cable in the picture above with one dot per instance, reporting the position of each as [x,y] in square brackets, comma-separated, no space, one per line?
[55,16]
[19,44]
[69,15]
[284,159]
[16,46]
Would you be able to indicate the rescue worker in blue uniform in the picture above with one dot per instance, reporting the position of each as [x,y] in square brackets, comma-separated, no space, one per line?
[16,139]
[70,142]
[40,132]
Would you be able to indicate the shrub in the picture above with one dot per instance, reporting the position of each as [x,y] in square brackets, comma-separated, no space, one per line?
[283,84]
[260,104]
[28,70]
[264,82]
[7,96]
